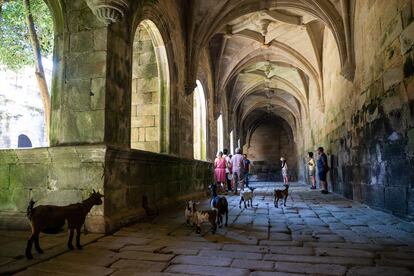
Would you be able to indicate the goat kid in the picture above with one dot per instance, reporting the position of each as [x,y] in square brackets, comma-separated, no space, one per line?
[281,194]
[220,204]
[246,196]
[199,217]
[50,219]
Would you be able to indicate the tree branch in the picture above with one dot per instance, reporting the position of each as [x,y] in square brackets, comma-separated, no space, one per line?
[40,73]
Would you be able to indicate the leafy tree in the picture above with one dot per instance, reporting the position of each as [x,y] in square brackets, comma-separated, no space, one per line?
[26,34]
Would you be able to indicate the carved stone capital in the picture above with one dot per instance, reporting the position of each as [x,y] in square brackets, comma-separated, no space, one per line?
[348,70]
[108,11]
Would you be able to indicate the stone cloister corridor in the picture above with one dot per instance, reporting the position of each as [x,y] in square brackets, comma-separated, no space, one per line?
[145,93]
[314,234]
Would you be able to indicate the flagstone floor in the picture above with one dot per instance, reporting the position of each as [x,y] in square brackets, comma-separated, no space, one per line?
[314,234]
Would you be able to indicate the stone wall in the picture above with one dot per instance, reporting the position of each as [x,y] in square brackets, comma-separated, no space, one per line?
[66,175]
[164,180]
[268,143]
[368,124]
[59,176]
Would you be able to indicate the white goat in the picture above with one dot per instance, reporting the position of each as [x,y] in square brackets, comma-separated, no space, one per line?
[198,217]
[246,196]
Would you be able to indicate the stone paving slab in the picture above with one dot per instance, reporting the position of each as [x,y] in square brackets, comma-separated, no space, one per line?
[378,270]
[319,269]
[75,269]
[143,266]
[314,234]
[206,270]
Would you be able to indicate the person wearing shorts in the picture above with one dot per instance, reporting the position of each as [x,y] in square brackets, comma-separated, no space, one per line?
[311,170]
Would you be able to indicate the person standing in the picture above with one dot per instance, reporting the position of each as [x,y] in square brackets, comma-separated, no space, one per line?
[311,170]
[285,175]
[237,166]
[228,174]
[246,169]
[323,169]
[220,171]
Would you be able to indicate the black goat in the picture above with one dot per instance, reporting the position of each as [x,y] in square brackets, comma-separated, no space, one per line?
[50,219]
[220,203]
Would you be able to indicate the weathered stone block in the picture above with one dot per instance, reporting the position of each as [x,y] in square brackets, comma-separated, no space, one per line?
[373,195]
[64,176]
[87,65]
[396,199]
[8,156]
[133,114]
[91,176]
[100,39]
[149,109]
[38,155]
[97,100]
[407,38]
[77,95]
[134,134]
[90,126]
[145,121]
[392,30]
[147,97]
[4,176]
[81,42]
[392,55]
[147,84]
[152,134]
[75,5]
[83,19]
[28,175]
[392,77]
[141,134]
[95,153]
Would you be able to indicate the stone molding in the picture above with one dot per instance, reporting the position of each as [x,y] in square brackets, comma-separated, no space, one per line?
[108,11]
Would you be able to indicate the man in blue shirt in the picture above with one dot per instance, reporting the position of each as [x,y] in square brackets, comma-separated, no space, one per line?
[323,168]
[246,169]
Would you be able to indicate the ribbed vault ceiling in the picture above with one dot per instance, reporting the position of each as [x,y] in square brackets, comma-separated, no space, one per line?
[267,55]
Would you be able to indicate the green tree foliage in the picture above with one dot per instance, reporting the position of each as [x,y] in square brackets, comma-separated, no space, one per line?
[15,48]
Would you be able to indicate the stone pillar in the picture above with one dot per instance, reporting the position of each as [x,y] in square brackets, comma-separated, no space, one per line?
[78,93]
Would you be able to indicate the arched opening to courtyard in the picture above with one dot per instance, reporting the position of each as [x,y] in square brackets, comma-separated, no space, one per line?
[27,49]
[199,122]
[149,90]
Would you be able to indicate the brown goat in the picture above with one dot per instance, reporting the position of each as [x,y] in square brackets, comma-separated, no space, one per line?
[281,194]
[50,219]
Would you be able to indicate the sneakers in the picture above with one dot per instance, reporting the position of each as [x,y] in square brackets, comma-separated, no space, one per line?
[324,192]
[313,188]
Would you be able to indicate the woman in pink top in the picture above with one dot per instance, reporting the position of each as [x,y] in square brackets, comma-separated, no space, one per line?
[220,171]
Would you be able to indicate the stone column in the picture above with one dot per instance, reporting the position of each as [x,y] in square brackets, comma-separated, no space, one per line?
[78,94]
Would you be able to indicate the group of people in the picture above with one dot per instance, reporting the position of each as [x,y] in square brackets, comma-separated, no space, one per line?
[230,170]
[323,168]
[321,164]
